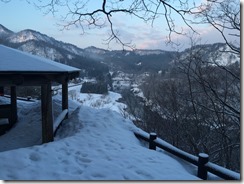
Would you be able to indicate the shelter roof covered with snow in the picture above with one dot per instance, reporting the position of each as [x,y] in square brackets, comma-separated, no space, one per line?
[18,68]
[16,61]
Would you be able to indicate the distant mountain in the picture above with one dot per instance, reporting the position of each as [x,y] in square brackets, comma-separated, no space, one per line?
[95,61]
[4,32]
[218,53]
[39,44]
[42,45]
[91,57]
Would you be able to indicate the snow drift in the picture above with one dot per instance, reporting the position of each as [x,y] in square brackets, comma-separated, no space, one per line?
[93,144]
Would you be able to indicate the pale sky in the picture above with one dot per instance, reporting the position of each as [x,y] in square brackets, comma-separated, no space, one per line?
[18,15]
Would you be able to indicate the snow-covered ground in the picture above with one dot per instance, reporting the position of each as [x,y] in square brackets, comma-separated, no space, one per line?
[97,101]
[95,143]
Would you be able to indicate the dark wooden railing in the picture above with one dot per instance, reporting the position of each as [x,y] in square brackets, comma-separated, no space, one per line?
[5,110]
[204,166]
[28,98]
[5,113]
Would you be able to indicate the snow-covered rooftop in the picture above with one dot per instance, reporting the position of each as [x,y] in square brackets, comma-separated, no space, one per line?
[13,60]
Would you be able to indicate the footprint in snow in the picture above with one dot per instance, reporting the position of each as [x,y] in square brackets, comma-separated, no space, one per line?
[34,157]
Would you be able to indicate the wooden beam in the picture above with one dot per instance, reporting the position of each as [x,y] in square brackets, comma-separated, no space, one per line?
[14,117]
[23,80]
[65,97]
[35,79]
[1,90]
[47,115]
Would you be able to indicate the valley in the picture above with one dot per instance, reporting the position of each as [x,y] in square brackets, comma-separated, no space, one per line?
[189,98]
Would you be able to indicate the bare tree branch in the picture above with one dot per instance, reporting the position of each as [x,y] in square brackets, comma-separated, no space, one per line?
[145,10]
[222,15]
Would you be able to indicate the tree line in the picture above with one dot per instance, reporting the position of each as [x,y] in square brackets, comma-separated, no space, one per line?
[195,105]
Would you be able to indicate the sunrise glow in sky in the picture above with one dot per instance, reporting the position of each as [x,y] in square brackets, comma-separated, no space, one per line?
[18,15]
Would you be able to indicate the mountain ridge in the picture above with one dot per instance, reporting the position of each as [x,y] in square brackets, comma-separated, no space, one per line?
[49,38]
[4,31]
[132,61]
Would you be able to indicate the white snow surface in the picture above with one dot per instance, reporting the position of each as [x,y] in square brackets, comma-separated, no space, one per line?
[15,60]
[27,35]
[93,144]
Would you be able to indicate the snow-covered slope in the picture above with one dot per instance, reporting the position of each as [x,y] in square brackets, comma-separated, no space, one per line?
[27,35]
[94,50]
[47,52]
[93,144]
[30,35]
[218,53]
[39,44]
[4,32]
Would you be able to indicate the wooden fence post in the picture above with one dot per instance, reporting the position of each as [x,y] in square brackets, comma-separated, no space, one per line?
[202,171]
[152,137]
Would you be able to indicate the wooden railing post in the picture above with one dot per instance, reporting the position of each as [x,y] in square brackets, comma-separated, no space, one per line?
[202,171]
[152,137]
[201,162]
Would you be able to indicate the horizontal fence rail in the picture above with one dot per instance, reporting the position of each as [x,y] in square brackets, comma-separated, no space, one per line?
[222,172]
[28,98]
[204,166]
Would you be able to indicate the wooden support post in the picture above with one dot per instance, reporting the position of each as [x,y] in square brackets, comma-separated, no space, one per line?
[47,115]
[13,117]
[152,137]
[1,90]
[202,171]
[65,97]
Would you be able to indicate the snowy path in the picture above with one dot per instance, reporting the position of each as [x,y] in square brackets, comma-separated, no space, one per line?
[27,131]
[93,144]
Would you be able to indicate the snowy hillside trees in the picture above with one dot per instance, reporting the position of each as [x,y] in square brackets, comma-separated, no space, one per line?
[98,88]
[199,107]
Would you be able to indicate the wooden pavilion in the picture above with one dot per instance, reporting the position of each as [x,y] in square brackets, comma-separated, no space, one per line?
[22,69]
